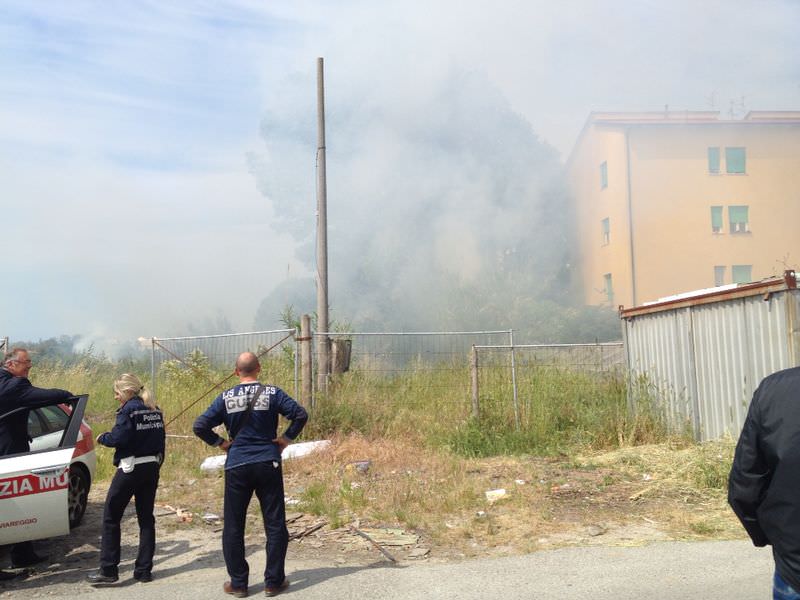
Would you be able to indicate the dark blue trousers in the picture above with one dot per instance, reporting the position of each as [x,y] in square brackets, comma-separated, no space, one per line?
[141,484]
[266,480]
[782,590]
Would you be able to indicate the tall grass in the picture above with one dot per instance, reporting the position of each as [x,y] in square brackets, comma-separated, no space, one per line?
[558,411]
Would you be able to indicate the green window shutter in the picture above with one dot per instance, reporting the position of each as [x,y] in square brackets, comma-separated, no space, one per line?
[716,218]
[737,214]
[609,287]
[719,275]
[742,273]
[735,160]
[713,160]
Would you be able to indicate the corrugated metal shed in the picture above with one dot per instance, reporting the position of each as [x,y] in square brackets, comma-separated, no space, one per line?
[704,355]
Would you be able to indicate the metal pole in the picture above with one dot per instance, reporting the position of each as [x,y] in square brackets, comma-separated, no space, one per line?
[153,367]
[306,396]
[792,317]
[630,215]
[296,362]
[323,363]
[514,379]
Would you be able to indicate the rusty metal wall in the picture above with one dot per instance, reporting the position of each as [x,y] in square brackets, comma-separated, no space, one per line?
[704,361]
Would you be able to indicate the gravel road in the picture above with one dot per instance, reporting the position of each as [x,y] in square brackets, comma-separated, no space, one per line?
[729,570]
[189,566]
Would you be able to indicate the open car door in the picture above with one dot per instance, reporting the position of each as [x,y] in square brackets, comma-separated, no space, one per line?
[34,485]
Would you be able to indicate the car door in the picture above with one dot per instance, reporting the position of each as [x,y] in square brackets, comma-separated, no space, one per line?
[34,485]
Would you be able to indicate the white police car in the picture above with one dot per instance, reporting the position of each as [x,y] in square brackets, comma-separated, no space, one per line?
[43,491]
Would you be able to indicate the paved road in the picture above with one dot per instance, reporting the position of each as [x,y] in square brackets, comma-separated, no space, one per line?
[668,570]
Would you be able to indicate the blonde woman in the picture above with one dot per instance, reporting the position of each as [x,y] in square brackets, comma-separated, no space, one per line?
[138,438]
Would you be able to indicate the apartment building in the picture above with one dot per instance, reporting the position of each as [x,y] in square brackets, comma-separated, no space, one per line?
[670,202]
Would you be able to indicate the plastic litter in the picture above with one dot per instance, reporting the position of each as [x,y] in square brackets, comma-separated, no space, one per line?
[216,462]
[494,495]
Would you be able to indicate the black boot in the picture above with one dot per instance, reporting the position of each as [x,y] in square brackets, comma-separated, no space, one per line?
[98,577]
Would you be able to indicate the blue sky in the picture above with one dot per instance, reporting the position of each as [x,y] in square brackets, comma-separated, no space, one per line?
[128,129]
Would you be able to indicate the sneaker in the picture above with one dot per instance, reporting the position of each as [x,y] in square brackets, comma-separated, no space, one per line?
[274,591]
[143,577]
[6,576]
[99,578]
[228,588]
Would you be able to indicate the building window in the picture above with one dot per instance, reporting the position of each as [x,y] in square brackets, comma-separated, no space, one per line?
[713,160]
[716,219]
[735,160]
[719,275]
[609,288]
[737,216]
[603,175]
[742,273]
[606,227]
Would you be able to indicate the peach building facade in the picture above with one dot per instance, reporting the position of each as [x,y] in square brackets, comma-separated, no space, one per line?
[665,203]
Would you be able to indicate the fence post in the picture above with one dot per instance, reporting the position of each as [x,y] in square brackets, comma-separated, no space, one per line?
[473,368]
[153,370]
[515,396]
[296,391]
[306,397]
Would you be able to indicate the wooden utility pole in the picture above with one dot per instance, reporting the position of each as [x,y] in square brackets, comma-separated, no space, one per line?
[323,344]
[306,397]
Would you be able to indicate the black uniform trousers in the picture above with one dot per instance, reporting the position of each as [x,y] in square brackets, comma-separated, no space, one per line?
[266,480]
[141,483]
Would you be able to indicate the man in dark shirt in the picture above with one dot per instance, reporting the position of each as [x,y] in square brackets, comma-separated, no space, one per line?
[764,479]
[16,391]
[250,414]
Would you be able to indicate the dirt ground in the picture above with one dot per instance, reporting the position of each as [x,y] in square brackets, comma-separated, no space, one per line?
[614,499]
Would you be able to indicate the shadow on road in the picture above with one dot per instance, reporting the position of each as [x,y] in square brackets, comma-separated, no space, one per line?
[305,578]
[71,557]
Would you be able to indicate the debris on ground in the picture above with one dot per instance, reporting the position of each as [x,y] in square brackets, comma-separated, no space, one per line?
[302,525]
[493,496]
[386,536]
[211,518]
[184,516]
[217,461]
[373,542]
[358,466]
[595,530]
[304,448]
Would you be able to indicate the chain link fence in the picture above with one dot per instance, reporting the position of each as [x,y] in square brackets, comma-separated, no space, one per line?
[186,370]
[401,369]
[387,375]
[513,381]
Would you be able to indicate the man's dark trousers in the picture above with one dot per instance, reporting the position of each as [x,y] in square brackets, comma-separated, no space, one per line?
[266,480]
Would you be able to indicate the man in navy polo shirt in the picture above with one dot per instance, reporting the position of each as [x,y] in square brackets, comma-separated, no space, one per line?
[250,413]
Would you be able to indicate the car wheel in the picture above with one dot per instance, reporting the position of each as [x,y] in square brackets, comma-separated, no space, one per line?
[78,495]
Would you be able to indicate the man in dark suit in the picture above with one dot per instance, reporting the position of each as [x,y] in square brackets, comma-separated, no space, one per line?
[17,391]
[762,487]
